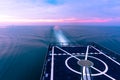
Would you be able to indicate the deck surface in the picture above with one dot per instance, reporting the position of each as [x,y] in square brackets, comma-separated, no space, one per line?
[61,64]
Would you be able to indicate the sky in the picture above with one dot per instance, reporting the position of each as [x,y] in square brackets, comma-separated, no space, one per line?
[59,11]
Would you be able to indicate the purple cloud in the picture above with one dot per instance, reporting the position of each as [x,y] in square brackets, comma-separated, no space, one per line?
[59,9]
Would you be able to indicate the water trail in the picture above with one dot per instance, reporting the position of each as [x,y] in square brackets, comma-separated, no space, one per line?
[60,37]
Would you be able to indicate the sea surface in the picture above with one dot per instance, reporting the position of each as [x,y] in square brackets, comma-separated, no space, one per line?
[23,48]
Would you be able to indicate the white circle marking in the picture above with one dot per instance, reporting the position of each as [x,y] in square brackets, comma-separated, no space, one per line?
[97,74]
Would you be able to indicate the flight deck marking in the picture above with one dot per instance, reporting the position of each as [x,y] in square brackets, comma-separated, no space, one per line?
[52,64]
[86,56]
[97,74]
[91,67]
[67,53]
[106,56]
[86,74]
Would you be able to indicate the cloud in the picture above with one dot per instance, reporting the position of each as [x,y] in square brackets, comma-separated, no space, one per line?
[72,20]
[86,10]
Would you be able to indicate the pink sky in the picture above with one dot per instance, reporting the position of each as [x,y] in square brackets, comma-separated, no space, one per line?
[52,21]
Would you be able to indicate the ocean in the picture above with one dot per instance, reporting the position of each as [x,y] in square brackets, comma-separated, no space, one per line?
[23,48]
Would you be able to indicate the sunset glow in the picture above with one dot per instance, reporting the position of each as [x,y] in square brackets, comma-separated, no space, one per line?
[72,20]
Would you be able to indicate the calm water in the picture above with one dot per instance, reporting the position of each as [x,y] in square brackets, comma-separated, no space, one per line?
[23,48]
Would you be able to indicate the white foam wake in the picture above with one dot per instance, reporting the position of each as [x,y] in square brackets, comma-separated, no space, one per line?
[60,36]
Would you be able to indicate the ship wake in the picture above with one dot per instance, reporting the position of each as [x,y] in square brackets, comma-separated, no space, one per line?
[60,37]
